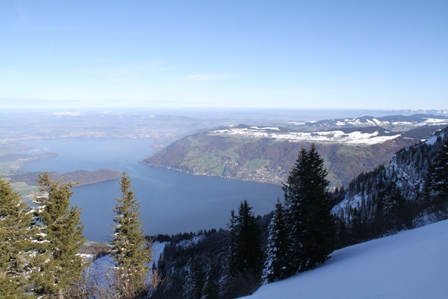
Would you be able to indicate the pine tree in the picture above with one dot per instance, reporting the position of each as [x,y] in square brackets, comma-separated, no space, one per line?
[247,255]
[16,248]
[129,249]
[63,232]
[310,223]
[277,248]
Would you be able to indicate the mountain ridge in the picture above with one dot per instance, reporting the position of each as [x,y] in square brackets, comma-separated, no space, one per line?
[405,176]
[265,153]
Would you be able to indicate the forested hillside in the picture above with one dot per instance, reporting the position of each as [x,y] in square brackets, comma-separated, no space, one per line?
[307,225]
[408,192]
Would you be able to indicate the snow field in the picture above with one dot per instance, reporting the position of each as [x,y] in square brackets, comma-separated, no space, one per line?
[412,264]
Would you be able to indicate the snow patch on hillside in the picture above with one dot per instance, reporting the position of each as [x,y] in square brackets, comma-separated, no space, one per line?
[102,270]
[410,265]
[157,249]
[337,136]
[433,139]
[187,243]
[435,121]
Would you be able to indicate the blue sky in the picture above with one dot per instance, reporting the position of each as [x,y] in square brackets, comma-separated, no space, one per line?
[260,54]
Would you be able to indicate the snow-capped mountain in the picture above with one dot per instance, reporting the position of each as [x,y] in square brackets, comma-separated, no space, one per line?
[391,122]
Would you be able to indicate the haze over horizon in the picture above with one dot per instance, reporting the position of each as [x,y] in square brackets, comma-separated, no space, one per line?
[366,55]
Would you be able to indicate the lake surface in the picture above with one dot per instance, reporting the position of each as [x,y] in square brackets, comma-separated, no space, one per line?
[170,201]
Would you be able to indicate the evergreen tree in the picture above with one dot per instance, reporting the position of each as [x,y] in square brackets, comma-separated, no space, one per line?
[394,208]
[438,174]
[62,230]
[195,280]
[211,287]
[311,225]
[16,247]
[233,259]
[277,248]
[129,249]
[247,255]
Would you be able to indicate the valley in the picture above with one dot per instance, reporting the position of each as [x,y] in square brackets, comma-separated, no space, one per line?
[232,163]
[212,144]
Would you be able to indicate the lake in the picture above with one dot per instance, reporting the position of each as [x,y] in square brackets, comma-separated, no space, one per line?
[170,201]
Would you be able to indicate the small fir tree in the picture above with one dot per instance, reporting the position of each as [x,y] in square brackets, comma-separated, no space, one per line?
[232,261]
[130,252]
[62,229]
[277,249]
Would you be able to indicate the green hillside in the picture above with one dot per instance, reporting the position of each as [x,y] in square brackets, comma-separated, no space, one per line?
[268,160]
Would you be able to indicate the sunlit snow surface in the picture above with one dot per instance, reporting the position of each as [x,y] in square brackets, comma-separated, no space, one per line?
[348,131]
[338,136]
[410,265]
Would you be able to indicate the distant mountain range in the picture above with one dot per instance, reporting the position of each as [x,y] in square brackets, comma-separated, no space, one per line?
[390,122]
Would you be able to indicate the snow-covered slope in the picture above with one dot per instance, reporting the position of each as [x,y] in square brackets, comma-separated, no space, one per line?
[357,137]
[366,130]
[411,264]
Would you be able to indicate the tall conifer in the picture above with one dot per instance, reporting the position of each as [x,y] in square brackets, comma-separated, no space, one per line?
[16,248]
[310,223]
[247,255]
[62,230]
[129,249]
